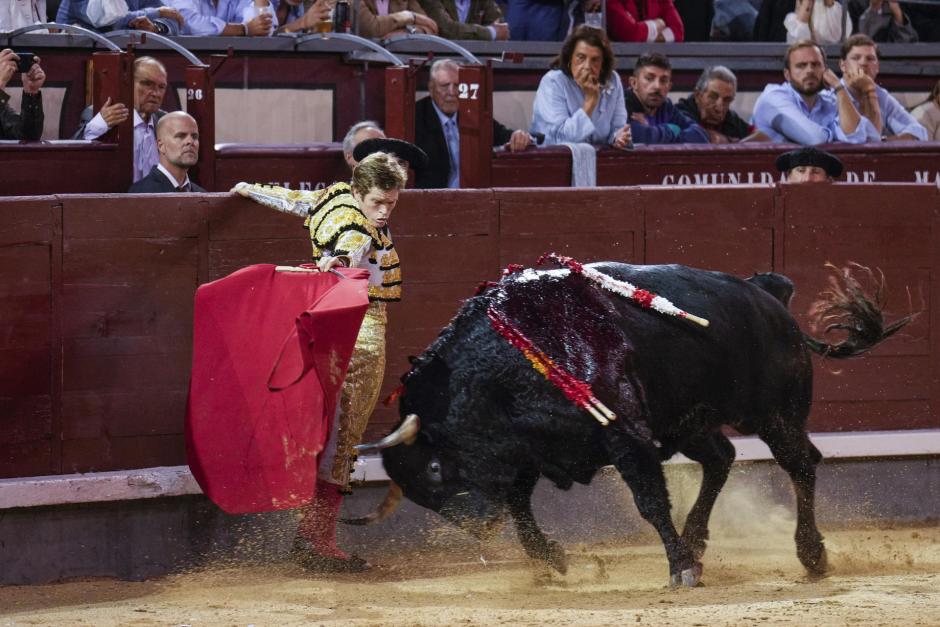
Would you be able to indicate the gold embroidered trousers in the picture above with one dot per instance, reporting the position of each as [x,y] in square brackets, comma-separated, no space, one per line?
[359,395]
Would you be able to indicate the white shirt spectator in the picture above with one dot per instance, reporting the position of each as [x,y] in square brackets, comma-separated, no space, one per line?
[19,13]
[827,21]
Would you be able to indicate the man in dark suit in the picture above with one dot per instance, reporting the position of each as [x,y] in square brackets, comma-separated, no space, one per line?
[436,130]
[178,145]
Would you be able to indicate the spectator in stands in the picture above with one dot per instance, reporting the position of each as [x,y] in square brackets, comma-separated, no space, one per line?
[800,110]
[822,21]
[26,125]
[146,15]
[734,20]
[358,133]
[467,19]
[709,106]
[437,134]
[653,117]
[696,16]
[770,16]
[178,145]
[541,20]
[859,65]
[19,13]
[886,22]
[809,165]
[644,20]
[928,113]
[149,89]
[393,17]
[229,18]
[301,15]
[580,99]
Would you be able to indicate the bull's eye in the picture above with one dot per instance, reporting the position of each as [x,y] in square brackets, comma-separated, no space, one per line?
[434,471]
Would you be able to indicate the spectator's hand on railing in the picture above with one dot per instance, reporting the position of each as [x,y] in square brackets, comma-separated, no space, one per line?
[260,25]
[624,137]
[502,30]
[34,79]
[173,14]
[519,141]
[425,24]
[8,61]
[318,12]
[717,137]
[142,23]
[113,114]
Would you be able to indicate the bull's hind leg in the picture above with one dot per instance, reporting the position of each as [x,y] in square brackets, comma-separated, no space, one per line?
[716,454]
[795,453]
[639,465]
[534,542]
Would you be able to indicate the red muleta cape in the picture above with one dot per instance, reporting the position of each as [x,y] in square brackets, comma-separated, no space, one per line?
[257,417]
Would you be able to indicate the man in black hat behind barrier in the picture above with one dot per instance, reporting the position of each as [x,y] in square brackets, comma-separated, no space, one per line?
[809,165]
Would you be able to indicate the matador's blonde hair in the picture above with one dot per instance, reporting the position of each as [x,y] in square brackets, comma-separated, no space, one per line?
[378,170]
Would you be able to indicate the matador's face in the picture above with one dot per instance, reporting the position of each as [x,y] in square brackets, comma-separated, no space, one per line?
[377,205]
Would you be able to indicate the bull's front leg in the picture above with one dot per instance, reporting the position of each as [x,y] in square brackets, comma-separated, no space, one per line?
[639,465]
[533,541]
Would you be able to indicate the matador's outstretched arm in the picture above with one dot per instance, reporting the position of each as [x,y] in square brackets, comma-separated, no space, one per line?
[294,202]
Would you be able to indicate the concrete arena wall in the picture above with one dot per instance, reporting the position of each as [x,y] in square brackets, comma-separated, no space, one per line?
[147,538]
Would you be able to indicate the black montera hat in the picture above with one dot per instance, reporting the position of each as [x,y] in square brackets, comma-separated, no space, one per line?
[416,158]
[809,155]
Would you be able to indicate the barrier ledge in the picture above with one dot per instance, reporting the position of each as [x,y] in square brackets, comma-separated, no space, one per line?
[166,481]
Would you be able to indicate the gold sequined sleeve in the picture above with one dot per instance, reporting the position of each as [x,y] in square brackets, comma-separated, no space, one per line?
[294,202]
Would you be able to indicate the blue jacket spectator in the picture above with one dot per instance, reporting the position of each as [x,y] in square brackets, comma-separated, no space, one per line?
[802,111]
[653,117]
[148,15]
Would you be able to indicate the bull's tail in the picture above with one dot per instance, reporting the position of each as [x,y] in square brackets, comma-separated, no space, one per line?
[846,306]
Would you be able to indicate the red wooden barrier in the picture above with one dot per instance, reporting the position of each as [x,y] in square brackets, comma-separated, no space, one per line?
[96,292]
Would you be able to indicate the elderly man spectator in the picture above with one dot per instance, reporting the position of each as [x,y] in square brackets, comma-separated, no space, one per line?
[178,145]
[146,15]
[358,133]
[886,22]
[653,117]
[644,21]
[19,13]
[28,123]
[859,65]
[580,99]
[467,19]
[149,88]
[391,17]
[801,111]
[437,134]
[809,165]
[709,106]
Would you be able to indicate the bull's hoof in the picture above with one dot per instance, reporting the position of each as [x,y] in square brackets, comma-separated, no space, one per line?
[816,562]
[556,558]
[688,578]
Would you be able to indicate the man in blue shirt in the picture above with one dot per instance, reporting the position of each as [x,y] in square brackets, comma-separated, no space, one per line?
[802,111]
[859,65]
[652,116]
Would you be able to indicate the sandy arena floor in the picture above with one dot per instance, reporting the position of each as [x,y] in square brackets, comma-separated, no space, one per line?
[879,577]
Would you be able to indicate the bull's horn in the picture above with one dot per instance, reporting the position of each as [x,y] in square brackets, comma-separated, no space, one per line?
[405,433]
[385,509]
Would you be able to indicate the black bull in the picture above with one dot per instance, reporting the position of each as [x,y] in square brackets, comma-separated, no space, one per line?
[491,425]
